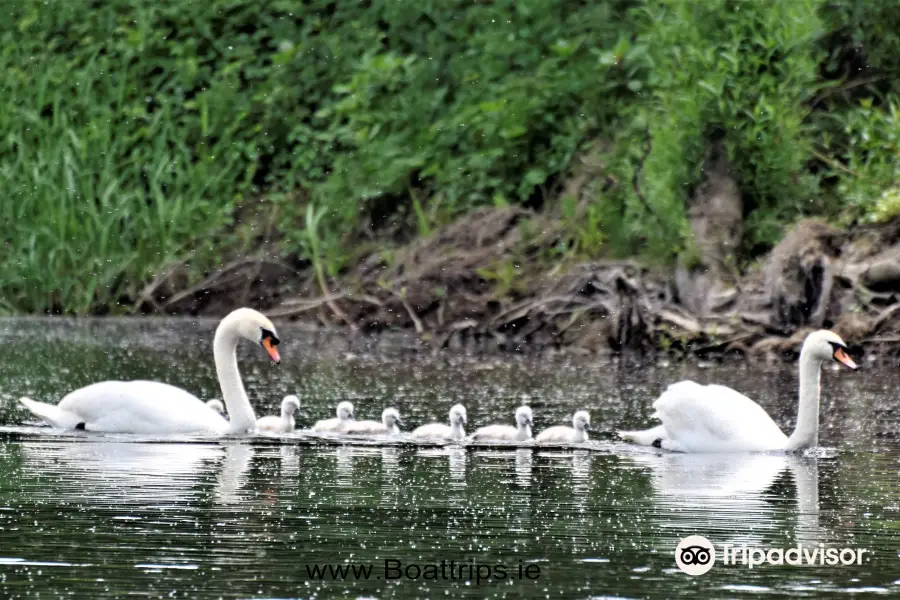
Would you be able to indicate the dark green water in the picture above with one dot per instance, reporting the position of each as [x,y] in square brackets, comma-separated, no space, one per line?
[87,516]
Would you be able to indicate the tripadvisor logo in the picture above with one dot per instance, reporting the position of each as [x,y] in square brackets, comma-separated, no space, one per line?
[696,555]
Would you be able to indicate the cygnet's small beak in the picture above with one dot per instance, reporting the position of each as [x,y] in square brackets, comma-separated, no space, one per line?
[840,355]
[269,344]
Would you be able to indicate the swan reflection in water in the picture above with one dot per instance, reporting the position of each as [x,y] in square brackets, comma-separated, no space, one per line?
[346,457]
[232,474]
[390,477]
[578,464]
[523,462]
[146,474]
[734,495]
[456,462]
[569,471]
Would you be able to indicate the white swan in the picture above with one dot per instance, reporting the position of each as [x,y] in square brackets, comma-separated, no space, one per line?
[454,431]
[390,424]
[520,433]
[284,423]
[715,418]
[156,407]
[344,418]
[581,422]
[216,405]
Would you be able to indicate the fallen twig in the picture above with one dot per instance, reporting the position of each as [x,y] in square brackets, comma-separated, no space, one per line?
[299,306]
[412,315]
[214,279]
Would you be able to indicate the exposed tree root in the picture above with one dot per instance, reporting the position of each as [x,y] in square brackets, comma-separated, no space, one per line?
[478,282]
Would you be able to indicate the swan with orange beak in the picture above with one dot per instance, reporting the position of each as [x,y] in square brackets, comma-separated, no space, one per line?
[714,418]
[156,407]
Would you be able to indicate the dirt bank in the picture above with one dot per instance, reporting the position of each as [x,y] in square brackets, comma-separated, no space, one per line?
[481,283]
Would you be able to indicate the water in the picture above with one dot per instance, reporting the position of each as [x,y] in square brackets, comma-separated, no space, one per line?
[89,516]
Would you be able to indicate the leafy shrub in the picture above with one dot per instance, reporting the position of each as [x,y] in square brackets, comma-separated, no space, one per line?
[150,123]
[137,135]
[740,70]
[869,182]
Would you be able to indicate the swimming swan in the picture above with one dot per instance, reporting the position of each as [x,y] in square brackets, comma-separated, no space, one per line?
[156,407]
[344,418]
[581,422]
[216,405]
[714,418]
[520,433]
[453,431]
[284,423]
[390,422]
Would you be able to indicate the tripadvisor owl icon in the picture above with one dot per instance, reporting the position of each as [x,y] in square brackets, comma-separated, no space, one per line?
[695,555]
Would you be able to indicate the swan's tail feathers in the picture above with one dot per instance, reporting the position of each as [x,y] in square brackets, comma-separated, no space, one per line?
[648,437]
[51,414]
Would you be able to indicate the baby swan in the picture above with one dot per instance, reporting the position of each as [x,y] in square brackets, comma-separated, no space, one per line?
[284,423]
[390,422]
[454,431]
[581,422]
[520,433]
[216,405]
[344,418]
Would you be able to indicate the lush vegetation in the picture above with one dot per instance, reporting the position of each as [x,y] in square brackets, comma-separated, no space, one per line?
[138,135]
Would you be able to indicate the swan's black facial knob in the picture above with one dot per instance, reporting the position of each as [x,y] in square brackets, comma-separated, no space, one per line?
[840,355]
[269,341]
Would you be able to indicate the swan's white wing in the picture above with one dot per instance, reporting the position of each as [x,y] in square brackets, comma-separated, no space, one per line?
[557,433]
[365,427]
[273,424]
[332,424]
[495,432]
[141,407]
[432,430]
[716,418]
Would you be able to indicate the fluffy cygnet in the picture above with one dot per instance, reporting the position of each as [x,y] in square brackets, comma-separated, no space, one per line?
[578,432]
[520,433]
[284,423]
[454,431]
[390,424]
[344,417]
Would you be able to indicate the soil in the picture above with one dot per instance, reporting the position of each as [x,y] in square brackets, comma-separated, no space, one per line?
[478,284]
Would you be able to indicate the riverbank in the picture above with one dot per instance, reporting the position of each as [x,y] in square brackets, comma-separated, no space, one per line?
[306,150]
[481,285]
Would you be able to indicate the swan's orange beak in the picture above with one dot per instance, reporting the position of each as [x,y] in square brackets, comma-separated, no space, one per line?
[273,351]
[842,357]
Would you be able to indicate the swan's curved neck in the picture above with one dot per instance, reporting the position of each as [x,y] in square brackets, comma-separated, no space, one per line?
[456,430]
[524,431]
[806,433]
[240,413]
[580,435]
[287,416]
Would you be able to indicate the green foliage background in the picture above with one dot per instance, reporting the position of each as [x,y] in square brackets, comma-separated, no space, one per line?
[139,134]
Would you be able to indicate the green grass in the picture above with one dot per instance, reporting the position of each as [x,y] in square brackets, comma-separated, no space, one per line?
[93,210]
[102,189]
[133,133]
